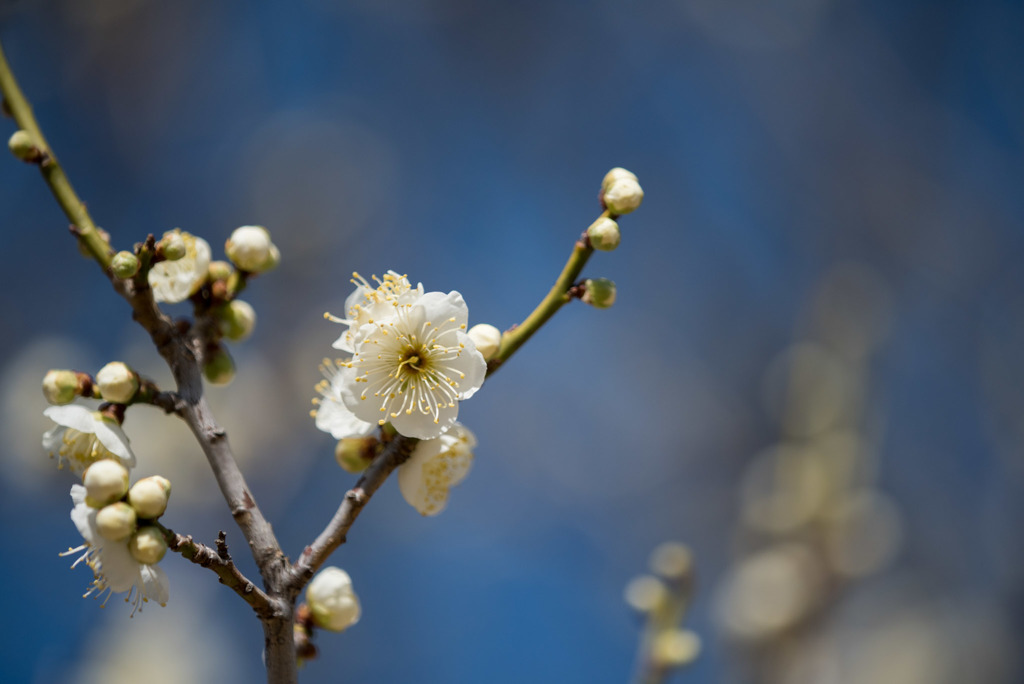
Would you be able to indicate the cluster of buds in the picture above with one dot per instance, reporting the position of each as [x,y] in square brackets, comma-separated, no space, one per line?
[115,383]
[128,514]
[663,597]
[182,268]
[620,194]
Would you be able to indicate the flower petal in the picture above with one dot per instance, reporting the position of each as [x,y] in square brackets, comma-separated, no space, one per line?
[334,417]
[113,438]
[154,583]
[73,416]
[423,425]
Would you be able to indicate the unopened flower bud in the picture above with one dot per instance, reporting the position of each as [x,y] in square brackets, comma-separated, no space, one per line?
[250,249]
[604,234]
[615,174]
[623,196]
[117,382]
[273,259]
[60,386]
[646,594]
[487,339]
[354,454]
[106,481]
[331,601]
[115,522]
[219,368]
[675,648]
[672,561]
[172,246]
[149,496]
[22,147]
[599,292]
[124,265]
[220,270]
[148,545]
[237,319]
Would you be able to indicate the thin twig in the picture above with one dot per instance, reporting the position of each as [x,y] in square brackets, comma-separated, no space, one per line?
[555,299]
[220,562]
[394,454]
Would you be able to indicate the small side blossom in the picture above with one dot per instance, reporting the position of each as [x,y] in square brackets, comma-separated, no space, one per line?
[413,368]
[114,570]
[331,414]
[332,601]
[82,437]
[435,466]
[176,281]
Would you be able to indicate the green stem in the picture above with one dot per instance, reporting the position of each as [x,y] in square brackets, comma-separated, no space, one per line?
[558,296]
[53,174]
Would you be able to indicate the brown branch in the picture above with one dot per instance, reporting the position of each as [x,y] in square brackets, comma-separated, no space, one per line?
[220,562]
[395,453]
[181,351]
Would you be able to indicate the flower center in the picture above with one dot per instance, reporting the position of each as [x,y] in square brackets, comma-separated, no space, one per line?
[413,361]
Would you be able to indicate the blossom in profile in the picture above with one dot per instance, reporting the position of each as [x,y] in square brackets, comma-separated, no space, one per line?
[177,280]
[332,601]
[113,567]
[331,414]
[412,368]
[82,437]
[435,466]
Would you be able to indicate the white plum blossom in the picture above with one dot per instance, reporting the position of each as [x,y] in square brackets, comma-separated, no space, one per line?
[368,305]
[412,368]
[176,281]
[82,437]
[113,568]
[332,601]
[435,466]
[412,361]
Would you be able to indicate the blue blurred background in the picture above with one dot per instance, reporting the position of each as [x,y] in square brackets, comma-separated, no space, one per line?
[829,253]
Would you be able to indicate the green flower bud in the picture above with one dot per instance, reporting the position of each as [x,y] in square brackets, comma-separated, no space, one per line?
[116,521]
[106,481]
[220,270]
[22,147]
[354,454]
[124,265]
[117,382]
[219,368]
[60,386]
[272,260]
[149,496]
[172,246]
[237,320]
[148,545]
[604,234]
[599,292]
